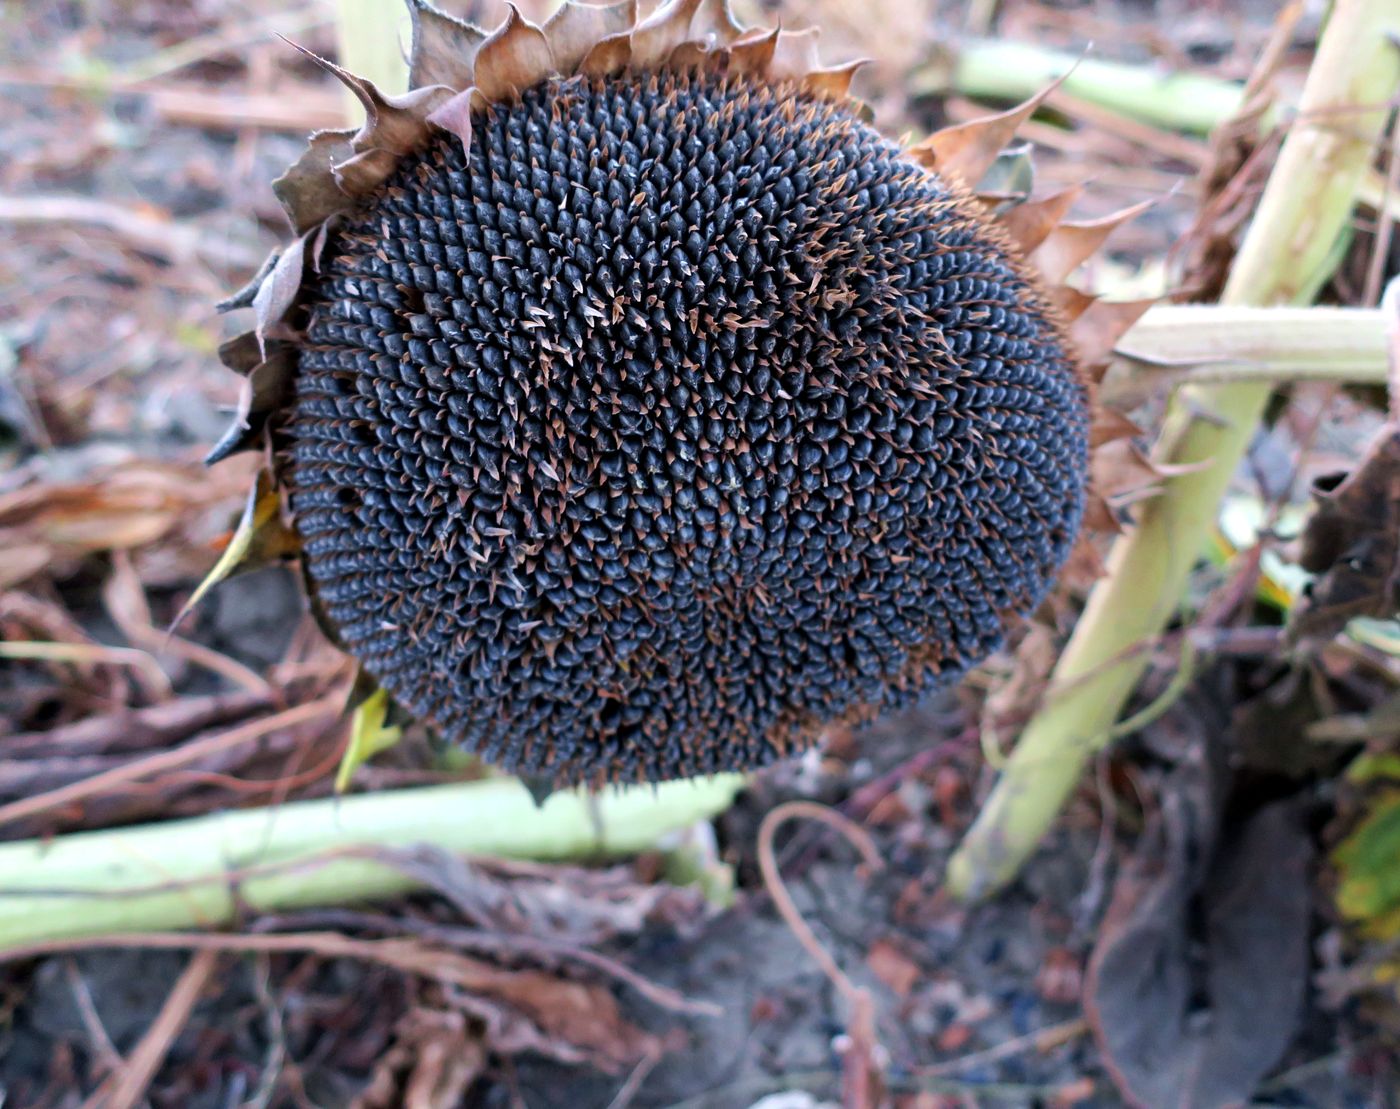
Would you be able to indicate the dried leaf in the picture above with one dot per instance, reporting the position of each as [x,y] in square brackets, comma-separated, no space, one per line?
[1099,327]
[834,82]
[244,297]
[1010,179]
[1352,542]
[514,57]
[242,353]
[432,1064]
[575,28]
[1252,899]
[277,294]
[308,190]
[696,56]
[1070,302]
[1071,244]
[364,172]
[443,50]
[753,56]
[659,34]
[966,151]
[262,392]
[609,57]
[1119,467]
[455,116]
[1030,222]
[795,55]
[1110,424]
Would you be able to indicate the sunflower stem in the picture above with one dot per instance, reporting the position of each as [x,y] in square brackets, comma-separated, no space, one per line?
[1287,254]
[370,38]
[1001,69]
[1178,344]
[203,872]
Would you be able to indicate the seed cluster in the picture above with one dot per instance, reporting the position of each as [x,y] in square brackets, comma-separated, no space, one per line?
[677,420]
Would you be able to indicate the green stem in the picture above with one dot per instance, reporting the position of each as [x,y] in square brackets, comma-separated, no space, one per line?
[202,872]
[999,69]
[1178,344]
[1285,257]
[370,36]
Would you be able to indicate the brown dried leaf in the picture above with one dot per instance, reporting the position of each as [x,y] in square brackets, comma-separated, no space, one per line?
[1070,302]
[696,56]
[576,28]
[514,57]
[574,1018]
[1352,541]
[362,173]
[1245,904]
[308,190]
[1030,222]
[455,115]
[1110,424]
[394,123]
[795,55]
[261,394]
[752,57]
[609,57]
[1071,244]
[244,297]
[434,1060]
[656,36]
[443,50]
[1119,468]
[1099,327]
[1099,517]
[892,967]
[965,151]
[834,82]
[277,294]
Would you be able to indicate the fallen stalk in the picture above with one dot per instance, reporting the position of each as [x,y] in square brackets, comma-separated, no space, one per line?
[1287,254]
[1000,69]
[1179,344]
[204,872]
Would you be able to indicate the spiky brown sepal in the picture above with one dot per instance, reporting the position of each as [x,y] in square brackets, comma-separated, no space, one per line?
[943,576]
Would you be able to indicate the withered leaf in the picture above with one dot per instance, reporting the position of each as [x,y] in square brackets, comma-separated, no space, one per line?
[1352,541]
[967,150]
[660,33]
[515,56]
[575,27]
[1177,1034]
[443,48]
[308,190]
[795,55]
[1071,244]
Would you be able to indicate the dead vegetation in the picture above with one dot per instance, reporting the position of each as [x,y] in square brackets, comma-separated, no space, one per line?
[1214,918]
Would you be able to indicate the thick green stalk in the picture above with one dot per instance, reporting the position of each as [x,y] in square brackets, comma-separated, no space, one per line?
[1285,257]
[999,69]
[1178,344]
[201,872]
[370,37]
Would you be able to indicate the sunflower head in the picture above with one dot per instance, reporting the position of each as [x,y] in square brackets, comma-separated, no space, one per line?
[639,411]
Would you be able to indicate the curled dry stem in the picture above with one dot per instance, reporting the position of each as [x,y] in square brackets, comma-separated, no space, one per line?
[860,1079]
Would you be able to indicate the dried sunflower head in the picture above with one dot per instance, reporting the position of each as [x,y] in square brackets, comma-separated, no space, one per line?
[639,411]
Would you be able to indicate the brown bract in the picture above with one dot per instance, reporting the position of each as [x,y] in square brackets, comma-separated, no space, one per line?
[458,70]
